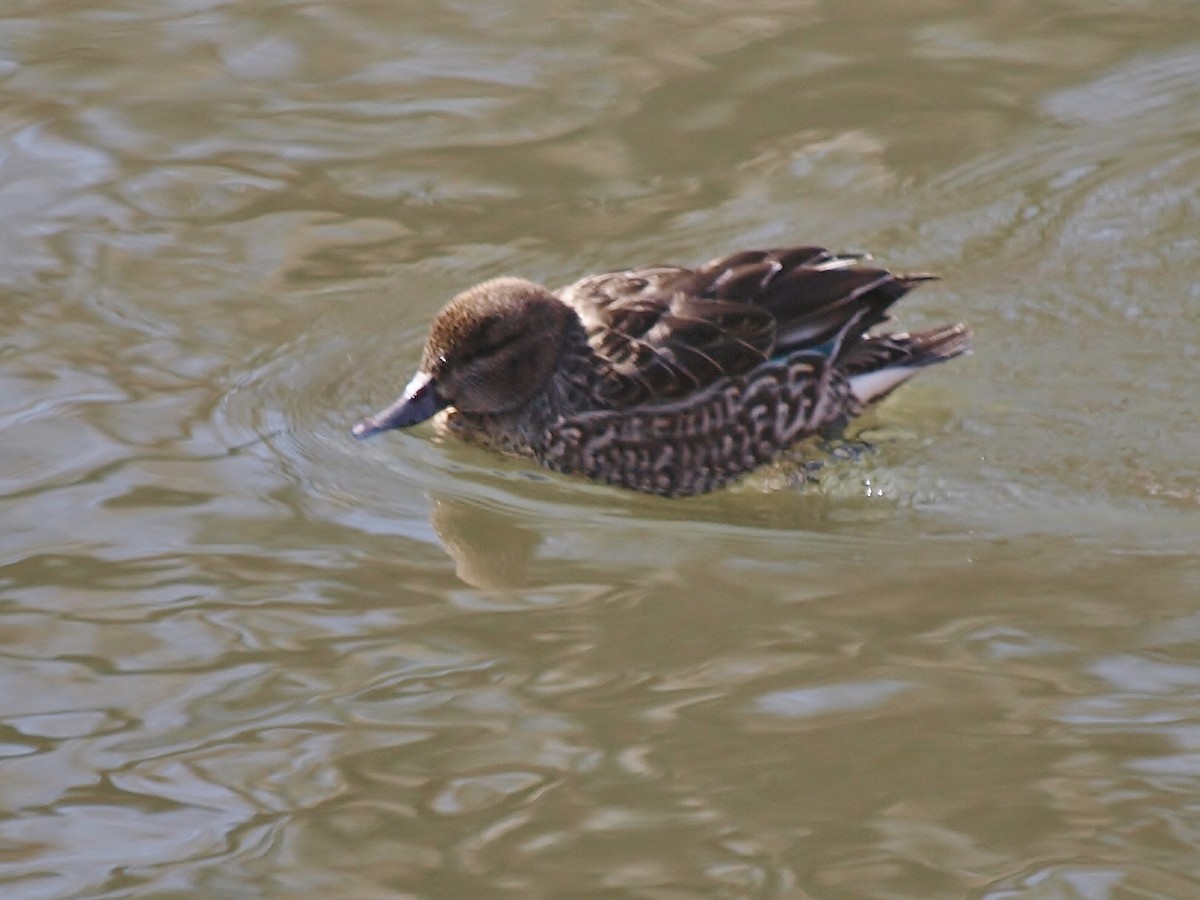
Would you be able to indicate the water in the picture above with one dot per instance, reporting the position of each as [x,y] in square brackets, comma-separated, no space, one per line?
[244,655]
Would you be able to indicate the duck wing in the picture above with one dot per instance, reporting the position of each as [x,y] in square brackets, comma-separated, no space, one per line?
[668,331]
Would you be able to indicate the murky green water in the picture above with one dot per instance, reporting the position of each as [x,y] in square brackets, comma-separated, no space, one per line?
[244,656]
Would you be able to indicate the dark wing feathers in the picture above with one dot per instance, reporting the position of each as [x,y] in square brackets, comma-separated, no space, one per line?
[814,305]
[667,331]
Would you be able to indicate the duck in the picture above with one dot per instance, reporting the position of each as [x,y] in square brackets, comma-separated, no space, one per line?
[666,379]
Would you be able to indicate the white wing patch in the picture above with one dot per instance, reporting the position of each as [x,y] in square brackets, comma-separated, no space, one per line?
[873,385]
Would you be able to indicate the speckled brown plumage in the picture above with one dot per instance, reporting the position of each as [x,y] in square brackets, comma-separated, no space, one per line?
[667,379]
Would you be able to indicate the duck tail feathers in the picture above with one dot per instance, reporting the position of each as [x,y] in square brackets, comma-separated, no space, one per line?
[878,365]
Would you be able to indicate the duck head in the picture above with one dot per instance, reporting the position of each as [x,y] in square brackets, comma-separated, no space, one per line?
[490,350]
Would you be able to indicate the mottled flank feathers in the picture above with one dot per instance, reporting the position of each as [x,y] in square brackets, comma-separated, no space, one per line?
[666,379]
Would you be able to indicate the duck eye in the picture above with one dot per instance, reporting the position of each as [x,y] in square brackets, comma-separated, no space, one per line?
[502,342]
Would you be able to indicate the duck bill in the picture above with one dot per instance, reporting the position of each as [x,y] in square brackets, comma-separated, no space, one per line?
[420,401]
